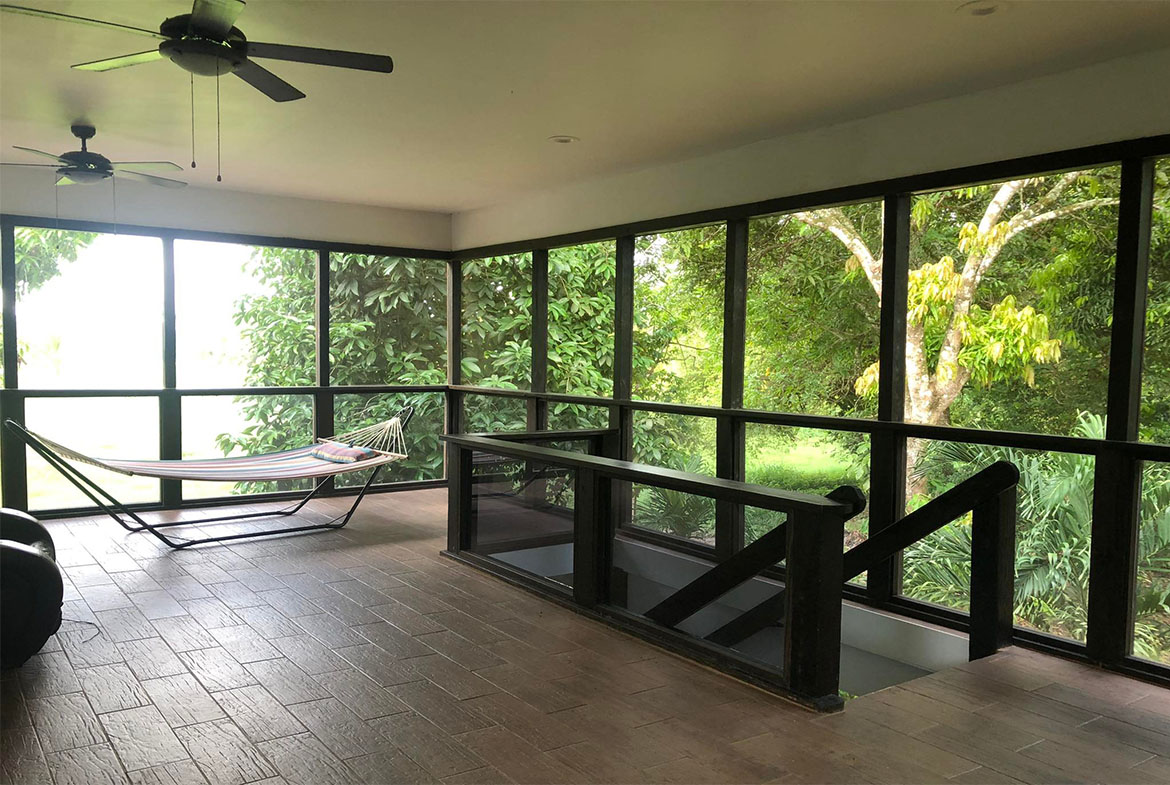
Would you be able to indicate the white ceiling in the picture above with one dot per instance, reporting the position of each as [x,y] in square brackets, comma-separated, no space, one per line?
[478,86]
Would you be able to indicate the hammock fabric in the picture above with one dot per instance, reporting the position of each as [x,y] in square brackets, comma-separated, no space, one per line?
[385,439]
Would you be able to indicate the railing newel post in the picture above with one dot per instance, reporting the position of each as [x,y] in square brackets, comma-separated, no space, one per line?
[993,553]
[460,510]
[592,538]
[814,573]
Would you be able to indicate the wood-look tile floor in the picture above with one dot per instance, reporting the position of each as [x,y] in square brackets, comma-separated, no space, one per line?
[362,656]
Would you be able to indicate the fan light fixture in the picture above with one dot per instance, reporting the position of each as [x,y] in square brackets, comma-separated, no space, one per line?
[81,167]
[563,139]
[979,7]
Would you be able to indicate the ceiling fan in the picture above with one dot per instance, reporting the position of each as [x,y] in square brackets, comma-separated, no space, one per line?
[82,166]
[206,42]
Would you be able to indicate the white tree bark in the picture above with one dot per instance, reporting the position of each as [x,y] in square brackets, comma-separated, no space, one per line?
[929,395]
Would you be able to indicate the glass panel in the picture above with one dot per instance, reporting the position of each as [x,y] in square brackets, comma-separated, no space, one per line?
[1011,289]
[90,310]
[1155,416]
[679,514]
[678,315]
[574,416]
[245,315]
[676,441]
[215,426]
[806,460]
[497,322]
[494,413]
[813,311]
[1052,531]
[580,319]
[524,515]
[1151,638]
[102,428]
[425,451]
[387,320]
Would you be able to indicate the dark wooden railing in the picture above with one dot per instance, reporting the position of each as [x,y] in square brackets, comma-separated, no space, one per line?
[811,542]
[990,496]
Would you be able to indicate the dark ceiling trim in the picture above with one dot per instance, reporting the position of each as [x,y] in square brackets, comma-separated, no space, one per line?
[74,225]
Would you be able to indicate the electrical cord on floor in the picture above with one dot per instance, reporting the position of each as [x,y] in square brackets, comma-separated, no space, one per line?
[96,629]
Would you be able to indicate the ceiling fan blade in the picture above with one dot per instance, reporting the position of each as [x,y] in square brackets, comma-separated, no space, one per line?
[66,181]
[334,57]
[19,9]
[165,182]
[35,166]
[158,166]
[41,152]
[110,63]
[267,82]
[215,17]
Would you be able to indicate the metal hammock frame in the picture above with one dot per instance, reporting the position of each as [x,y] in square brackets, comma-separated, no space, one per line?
[132,522]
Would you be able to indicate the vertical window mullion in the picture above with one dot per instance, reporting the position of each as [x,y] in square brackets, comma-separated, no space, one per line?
[454,400]
[323,424]
[15,479]
[169,404]
[538,407]
[887,488]
[622,417]
[1117,480]
[729,433]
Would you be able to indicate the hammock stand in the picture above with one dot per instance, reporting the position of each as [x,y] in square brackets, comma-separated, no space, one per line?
[385,438]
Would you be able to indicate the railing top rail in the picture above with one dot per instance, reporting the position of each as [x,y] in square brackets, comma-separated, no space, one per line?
[546,436]
[959,500]
[672,479]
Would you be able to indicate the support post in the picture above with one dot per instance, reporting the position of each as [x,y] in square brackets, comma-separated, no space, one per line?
[993,565]
[729,431]
[622,417]
[1117,477]
[13,454]
[14,483]
[538,407]
[592,538]
[460,509]
[8,279]
[453,400]
[887,449]
[812,634]
[170,414]
[323,424]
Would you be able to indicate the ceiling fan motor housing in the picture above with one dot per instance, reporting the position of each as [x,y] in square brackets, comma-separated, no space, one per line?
[86,167]
[199,54]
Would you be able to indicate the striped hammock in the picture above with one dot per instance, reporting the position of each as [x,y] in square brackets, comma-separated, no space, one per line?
[385,439]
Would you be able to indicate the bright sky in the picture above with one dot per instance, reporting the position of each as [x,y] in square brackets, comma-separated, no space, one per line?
[99,325]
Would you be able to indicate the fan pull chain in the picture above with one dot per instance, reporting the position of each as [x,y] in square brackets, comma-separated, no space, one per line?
[114,190]
[192,121]
[218,137]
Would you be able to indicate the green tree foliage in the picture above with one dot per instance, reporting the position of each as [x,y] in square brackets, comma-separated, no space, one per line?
[1052,539]
[497,322]
[39,256]
[812,328]
[1155,417]
[678,315]
[387,326]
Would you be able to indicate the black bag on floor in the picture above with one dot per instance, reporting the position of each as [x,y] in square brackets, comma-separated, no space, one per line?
[30,587]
